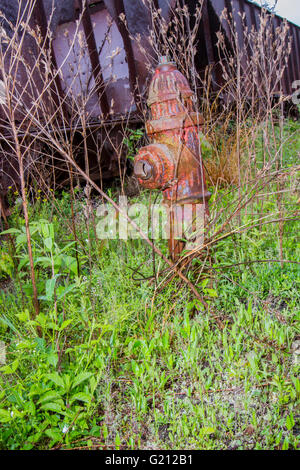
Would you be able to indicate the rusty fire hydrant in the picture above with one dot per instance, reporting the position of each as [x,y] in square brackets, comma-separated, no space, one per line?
[172,161]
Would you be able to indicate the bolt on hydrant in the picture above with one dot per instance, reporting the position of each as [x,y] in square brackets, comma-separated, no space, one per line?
[172,161]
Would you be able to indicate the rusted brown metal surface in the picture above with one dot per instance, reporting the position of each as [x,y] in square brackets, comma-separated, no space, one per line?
[252,19]
[131,18]
[94,58]
[40,20]
[172,161]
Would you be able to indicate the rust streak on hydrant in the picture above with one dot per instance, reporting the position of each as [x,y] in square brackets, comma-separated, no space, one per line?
[172,161]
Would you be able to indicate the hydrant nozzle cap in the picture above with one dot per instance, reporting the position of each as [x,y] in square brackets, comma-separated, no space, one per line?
[167,84]
[142,169]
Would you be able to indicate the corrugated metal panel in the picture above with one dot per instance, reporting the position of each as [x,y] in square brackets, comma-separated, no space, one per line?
[128,66]
[135,68]
[296,51]
[252,19]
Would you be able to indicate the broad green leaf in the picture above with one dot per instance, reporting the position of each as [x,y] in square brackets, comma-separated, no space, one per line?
[23,316]
[52,406]
[48,243]
[52,358]
[67,247]
[65,290]
[53,434]
[44,261]
[49,396]
[135,367]
[50,286]
[10,369]
[10,230]
[24,261]
[26,344]
[51,325]
[211,292]
[290,422]
[81,378]
[21,239]
[67,382]
[81,396]
[65,324]
[40,344]
[56,378]
[4,416]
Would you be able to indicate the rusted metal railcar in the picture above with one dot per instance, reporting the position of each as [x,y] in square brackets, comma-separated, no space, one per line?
[129,66]
[247,14]
[122,58]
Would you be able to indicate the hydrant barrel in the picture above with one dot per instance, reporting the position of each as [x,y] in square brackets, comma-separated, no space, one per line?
[172,161]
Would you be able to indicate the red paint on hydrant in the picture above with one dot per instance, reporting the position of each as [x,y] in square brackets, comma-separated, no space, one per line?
[172,161]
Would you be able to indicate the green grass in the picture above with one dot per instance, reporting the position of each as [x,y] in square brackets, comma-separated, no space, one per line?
[121,364]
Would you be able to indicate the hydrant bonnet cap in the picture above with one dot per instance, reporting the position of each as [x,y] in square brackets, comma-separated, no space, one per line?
[168,84]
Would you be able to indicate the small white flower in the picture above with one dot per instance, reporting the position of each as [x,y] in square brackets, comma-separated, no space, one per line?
[11,413]
[65,429]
